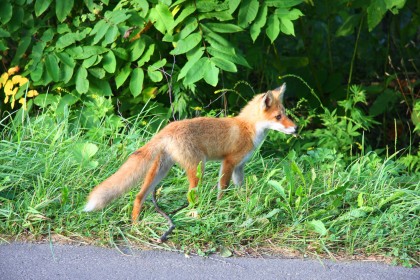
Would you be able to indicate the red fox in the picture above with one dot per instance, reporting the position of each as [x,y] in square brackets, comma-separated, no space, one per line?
[192,142]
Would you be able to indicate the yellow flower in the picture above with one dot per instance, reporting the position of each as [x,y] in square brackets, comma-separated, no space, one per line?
[8,88]
[18,79]
[32,93]
[12,102]
[23,102]
[3,79]
[6,99]
[13,70]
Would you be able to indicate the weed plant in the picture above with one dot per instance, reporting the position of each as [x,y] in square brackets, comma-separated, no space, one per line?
[315,200]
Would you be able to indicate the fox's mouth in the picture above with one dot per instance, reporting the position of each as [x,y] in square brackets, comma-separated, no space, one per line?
[289,130]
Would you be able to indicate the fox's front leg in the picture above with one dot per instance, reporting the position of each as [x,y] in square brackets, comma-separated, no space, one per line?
[225,175]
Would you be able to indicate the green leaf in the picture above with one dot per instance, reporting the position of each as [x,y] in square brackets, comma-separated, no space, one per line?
[153,71]
[146,57]
[21,49]
[136,81]
[162,18]
[220,16]
[224,27]
[66,73]
[85,51]
[43,100]
[137,49]
[259,22]
[211,73]
[6,12]
[41,6]
[196,72]
[349,25]
[88,62]
[111,35]
[233,5]
[82,83]
[51,63]
[218,41]
[109,62]
[193,57]
[318,226]
[272,213]
[224,64]
[228,55]
[247,12]
[186,11]
[66,40]
[395,5]
[37,73]
[117,16]
[122,75]
[283,3]
[4,33]
[190,26]
[187,44]
[65,102]
[158,64]
[66,59]
[294,14]
[273,28]
[121,53]
[97,72]
[225,253]
[360,200]
[155,76]
[375,13]
[287,26]
[192,196]
[99,31]
[99,87]
[83,152]
[279,188]
[63,8]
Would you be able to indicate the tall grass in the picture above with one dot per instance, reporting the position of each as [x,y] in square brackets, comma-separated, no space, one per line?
[311,201]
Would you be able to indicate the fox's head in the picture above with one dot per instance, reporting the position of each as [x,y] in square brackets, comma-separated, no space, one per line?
[268,112]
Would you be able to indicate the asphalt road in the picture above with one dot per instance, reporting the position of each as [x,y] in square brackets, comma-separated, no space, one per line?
[42,261]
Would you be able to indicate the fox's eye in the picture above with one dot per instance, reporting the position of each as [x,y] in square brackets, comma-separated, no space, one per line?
[278,117]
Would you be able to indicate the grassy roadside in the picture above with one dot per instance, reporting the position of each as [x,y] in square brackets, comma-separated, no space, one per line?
[311,202]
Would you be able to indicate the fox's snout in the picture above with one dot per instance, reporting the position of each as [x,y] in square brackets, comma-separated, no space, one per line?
[289,125]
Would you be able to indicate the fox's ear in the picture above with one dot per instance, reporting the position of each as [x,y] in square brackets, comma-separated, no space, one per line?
[267,100]
[280,91]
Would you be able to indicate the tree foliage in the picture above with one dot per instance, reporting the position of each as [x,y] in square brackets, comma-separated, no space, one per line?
[179,52]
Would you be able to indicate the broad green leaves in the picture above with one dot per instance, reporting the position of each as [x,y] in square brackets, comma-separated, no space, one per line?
[127,48]
[136,81]
[247,12]
[82,83]
[377,9]
[187,44]
[162,18]
[63,8]
[114,48]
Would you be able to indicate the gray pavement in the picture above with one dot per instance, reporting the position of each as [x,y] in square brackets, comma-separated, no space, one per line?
[45,261]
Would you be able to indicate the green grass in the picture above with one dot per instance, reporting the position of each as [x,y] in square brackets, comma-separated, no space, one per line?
[312,202]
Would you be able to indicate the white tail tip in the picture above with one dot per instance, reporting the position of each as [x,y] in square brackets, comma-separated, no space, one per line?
[90,206]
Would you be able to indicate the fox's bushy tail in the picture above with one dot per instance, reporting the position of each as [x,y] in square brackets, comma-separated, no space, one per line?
[128,175]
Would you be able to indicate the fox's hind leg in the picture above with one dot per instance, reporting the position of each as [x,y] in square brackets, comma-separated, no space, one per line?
[238,175]
[159,169]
